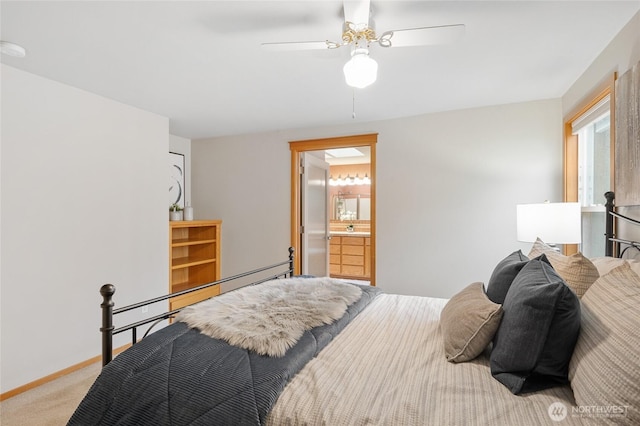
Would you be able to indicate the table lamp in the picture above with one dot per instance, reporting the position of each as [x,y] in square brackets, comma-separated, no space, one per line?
[553,223]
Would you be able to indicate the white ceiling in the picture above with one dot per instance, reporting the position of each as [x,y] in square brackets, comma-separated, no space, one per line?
[201,63]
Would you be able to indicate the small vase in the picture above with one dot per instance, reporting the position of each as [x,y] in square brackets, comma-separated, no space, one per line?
[187,213]
[175,215]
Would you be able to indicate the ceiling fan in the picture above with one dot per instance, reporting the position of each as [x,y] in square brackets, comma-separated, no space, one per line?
[358,32]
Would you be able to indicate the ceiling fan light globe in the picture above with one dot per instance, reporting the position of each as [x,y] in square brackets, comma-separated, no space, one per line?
[360,71]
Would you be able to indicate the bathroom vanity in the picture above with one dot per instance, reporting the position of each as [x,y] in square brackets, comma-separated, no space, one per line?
[350,255]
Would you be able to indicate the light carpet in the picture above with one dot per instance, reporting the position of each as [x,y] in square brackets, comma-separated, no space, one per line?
[51,404]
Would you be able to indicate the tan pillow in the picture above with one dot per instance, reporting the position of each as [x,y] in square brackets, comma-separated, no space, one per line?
[468,323]
[605,368]
[578,271]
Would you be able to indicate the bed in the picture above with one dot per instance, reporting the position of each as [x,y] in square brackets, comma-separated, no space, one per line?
[385,359]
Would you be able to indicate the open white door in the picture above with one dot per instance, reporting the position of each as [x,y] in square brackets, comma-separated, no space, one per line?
[315,215]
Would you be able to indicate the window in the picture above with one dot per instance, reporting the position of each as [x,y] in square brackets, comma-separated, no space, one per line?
[593,130]
[589,168]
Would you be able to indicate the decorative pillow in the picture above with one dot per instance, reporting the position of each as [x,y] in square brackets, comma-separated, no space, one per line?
[538,332]
[578,271]
[605,367]
[503,275]
[468,322]
[605,264]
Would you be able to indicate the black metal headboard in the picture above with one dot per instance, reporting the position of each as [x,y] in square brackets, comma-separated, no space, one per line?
[613,244]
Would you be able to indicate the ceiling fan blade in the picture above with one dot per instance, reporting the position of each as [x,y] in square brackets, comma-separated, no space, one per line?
[444,34]
[300,45]
[357,12]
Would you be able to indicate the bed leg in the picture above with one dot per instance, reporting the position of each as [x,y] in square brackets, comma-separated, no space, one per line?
[107,292]
[608,244]
[291,266]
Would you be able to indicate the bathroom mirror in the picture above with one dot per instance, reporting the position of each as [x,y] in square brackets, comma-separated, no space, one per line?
[351,207]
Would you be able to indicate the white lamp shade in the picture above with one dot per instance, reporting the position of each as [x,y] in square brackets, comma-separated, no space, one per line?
[553,223]
[361,70]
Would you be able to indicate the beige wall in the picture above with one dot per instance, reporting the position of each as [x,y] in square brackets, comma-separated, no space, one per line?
[84,203]
[463,173]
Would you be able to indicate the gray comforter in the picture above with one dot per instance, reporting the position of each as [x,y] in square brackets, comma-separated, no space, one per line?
[178,376]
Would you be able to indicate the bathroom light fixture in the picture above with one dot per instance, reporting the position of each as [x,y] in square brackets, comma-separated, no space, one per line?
[12,49]
[348,181]
[361,70]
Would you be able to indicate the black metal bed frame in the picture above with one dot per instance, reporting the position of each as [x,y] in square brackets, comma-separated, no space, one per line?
[613,244]
[107,291]
[612,248]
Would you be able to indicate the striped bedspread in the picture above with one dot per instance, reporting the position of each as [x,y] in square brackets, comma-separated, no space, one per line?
[388,368]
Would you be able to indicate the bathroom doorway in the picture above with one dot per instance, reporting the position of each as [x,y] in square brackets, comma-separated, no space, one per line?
[351,231]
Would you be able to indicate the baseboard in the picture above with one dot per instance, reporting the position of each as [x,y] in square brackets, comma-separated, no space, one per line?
[57,375]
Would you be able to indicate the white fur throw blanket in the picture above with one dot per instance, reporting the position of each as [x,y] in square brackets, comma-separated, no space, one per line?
[269,318]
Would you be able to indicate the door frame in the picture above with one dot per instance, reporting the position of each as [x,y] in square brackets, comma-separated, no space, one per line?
[298,147]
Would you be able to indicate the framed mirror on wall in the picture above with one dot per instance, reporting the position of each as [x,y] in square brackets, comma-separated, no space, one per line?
[351,207]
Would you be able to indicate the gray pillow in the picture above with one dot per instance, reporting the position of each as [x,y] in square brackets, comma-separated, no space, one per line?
[538,332]
[504,274]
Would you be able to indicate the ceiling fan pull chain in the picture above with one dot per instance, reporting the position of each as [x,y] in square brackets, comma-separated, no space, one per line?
[353,104]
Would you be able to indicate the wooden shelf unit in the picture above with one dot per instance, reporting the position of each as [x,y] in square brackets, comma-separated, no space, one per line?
[194,259]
